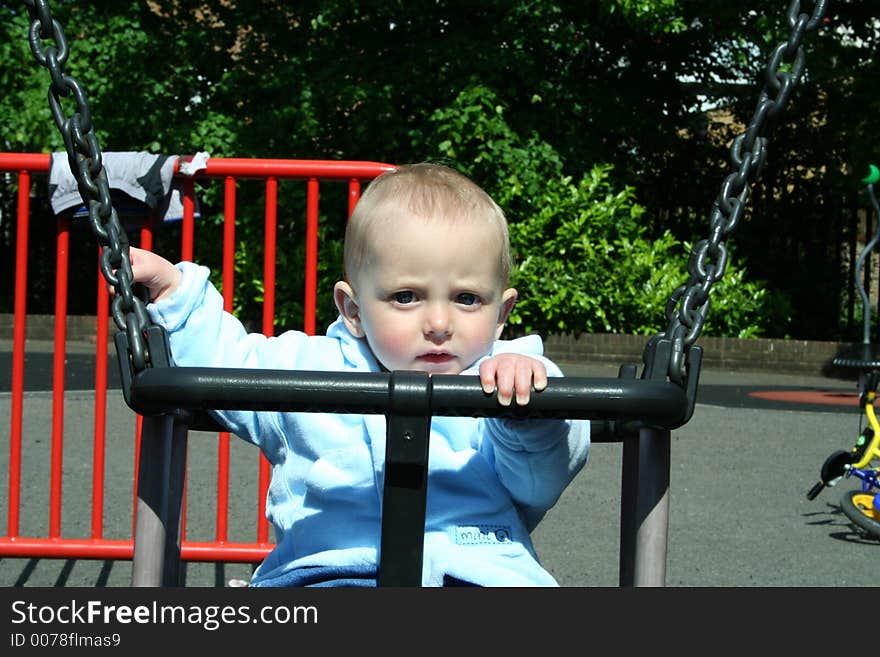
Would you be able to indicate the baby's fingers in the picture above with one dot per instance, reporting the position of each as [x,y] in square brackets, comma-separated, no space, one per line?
[513,377]
[527,375]
[487,376]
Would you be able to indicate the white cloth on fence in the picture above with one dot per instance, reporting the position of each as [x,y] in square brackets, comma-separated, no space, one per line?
[190,166]
[145,177]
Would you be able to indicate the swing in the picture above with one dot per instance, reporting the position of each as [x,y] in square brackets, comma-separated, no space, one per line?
[637,410]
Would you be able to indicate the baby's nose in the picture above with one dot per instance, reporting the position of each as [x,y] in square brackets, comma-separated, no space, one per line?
[437,321]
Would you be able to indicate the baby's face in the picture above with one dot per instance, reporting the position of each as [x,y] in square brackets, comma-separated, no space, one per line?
[432,298]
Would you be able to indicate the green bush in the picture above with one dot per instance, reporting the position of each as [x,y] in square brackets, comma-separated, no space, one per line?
[584,263]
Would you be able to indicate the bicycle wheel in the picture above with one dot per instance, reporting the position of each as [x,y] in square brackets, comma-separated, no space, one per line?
[858,506]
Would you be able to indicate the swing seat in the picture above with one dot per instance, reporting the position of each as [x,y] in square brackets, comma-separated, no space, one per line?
[639,413]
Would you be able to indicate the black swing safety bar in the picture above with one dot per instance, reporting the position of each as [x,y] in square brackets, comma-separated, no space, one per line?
[159,390]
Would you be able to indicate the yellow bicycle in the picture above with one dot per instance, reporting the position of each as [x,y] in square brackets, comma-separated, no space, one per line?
[862,506]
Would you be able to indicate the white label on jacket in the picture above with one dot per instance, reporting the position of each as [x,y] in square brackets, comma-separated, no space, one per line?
[482,535]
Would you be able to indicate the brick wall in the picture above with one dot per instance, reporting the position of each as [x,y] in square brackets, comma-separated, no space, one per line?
[794,356]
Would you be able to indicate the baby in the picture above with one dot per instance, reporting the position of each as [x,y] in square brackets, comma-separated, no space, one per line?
[427,262]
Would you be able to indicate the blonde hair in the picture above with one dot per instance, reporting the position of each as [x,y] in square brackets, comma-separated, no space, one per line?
[428,190]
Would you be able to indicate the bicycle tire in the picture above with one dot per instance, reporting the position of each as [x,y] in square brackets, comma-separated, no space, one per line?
[857,505]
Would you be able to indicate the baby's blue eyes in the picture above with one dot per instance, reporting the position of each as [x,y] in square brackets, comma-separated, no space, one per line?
[406,297]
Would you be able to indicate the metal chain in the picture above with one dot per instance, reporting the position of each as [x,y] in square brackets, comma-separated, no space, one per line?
[84,156]
[688,305]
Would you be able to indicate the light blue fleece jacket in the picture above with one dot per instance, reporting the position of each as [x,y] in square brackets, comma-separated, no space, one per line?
[489,480]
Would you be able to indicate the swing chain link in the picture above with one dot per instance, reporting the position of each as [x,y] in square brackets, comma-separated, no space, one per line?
[748,153]
[85,159]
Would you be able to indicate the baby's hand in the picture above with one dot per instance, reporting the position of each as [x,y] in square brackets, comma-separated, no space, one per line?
[512,374]
[158,274]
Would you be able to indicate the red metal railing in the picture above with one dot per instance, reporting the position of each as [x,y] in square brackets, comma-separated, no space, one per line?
[231,170]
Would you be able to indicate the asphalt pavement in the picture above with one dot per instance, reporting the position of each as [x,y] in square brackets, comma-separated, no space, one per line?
[740,471]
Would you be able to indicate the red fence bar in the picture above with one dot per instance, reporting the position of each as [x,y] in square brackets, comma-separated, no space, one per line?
[138,433]
[99,441]
[31,162]
[232,171]
[311,279]
[187,237]
[123,549]
[189,211]
[62,261]
[219,167]
[18,348]
[269,245]
[229,207]
[354,194]
[269,254]
[301,169]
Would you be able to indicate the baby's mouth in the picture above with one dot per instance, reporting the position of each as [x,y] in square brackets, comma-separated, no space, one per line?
[436,357]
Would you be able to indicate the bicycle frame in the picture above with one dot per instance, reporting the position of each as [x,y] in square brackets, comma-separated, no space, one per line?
[869,449]
[865,450]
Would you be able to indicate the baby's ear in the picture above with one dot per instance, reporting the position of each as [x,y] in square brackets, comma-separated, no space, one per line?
[508,300]
[346,303]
